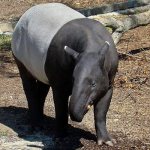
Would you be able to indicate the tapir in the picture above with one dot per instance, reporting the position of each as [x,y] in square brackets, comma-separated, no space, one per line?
[56,46]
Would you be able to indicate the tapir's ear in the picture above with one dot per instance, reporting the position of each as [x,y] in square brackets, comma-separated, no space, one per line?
[71,52]
[103,51]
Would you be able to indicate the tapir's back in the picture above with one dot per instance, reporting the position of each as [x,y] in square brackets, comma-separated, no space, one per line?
[34,32]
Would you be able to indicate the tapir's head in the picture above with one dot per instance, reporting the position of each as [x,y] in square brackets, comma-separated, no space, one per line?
[90,81]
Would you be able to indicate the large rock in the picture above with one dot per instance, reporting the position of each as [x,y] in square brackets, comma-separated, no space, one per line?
[6,28]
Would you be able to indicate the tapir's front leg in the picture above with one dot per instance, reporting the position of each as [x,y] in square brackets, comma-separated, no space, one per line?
[100,112]
[61,110]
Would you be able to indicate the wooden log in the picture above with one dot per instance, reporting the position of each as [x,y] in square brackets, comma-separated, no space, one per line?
[119,27]
[113,7]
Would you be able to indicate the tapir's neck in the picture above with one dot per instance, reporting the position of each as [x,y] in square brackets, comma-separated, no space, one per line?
[84,42]
[76,35]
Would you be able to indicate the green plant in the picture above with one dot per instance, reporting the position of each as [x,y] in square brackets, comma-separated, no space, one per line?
[5,42]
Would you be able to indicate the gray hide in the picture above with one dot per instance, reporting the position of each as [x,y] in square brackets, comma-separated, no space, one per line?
[34,33]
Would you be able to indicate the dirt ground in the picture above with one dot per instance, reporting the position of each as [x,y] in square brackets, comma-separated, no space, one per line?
[11,10]
[128,119]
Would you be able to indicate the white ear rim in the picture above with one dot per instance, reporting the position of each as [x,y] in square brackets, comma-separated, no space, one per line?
[107,43]
[65,47]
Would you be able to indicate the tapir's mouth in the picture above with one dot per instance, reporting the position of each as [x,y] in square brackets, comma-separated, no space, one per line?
[89,105]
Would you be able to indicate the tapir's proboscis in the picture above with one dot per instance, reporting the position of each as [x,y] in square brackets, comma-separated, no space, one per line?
[56,46]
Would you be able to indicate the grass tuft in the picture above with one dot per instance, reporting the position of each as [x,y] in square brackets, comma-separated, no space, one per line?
[5,42]
[5,49]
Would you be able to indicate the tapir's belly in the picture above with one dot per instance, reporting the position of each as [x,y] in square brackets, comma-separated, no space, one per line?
[34,33]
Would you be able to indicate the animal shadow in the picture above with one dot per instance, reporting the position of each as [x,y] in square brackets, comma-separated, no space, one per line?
[16,119]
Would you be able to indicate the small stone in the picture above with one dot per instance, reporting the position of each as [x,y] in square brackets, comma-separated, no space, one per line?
[109,143]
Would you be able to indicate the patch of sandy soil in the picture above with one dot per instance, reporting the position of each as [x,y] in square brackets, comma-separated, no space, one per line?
[12,9]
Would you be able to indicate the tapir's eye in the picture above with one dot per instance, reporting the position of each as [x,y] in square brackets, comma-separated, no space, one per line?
[93,84]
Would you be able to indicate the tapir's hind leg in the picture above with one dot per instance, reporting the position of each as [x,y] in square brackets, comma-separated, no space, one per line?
[42,93]
[35,92]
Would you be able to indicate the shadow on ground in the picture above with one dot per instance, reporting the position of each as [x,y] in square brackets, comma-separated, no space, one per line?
[16,119]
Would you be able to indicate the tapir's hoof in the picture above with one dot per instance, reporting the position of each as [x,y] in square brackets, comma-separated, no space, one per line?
[109,143]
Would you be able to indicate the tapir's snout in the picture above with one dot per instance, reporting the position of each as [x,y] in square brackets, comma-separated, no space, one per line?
[77,118]
[77,112]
